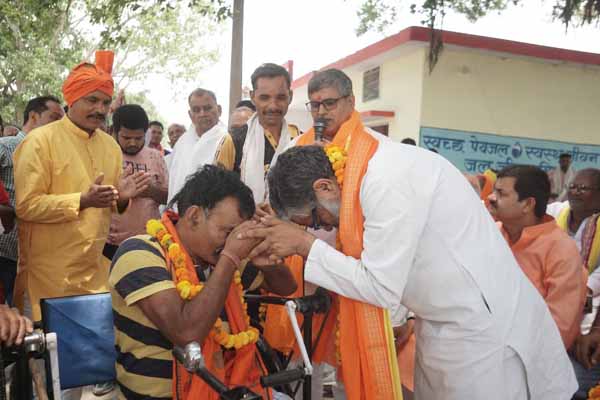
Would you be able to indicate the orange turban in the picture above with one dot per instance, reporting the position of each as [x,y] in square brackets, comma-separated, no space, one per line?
[87,78]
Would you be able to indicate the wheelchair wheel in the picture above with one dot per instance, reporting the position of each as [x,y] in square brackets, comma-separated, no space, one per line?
[272,363]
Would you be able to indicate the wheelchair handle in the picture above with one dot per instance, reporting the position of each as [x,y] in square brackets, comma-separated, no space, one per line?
[283,377]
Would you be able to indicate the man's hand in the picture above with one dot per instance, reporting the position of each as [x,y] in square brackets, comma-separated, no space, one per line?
[7,216]
[279,239]
[132,184]
[13,326]
[118,101]
[587,348]
[402,334]
[263,210]
[98,195]
[238,246]
[155,191]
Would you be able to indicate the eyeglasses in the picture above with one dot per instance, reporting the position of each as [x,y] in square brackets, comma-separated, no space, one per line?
[315,223]
[581,188]
[328,104]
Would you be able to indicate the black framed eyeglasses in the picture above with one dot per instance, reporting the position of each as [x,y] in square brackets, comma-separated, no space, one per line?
[315,223]
[328,104]
[581,188]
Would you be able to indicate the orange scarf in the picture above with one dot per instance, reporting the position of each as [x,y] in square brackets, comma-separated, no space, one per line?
[243,369]
[369,365]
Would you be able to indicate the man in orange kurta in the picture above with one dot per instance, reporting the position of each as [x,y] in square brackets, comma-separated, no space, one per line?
[546,254]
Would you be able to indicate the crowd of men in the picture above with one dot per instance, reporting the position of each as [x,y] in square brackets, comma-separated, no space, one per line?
[439,291]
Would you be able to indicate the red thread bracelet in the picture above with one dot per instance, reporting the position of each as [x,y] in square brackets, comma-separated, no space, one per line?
[233,258]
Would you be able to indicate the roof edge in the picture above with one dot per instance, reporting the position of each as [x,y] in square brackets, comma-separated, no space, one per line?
[422,34]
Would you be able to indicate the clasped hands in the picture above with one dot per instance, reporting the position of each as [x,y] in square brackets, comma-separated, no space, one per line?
[130,185]
[268,240]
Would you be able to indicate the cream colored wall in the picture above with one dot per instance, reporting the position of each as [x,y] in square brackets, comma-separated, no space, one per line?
[400,90]
[475,91]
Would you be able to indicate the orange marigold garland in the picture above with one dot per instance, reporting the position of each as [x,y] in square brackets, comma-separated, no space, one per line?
[594,393]
[338,157]
[187,290]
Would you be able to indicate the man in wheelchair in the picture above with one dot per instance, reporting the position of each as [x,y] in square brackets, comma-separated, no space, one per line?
[184,282]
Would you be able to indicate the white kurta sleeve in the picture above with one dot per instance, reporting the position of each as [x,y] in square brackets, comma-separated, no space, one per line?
[593,282]
[395,202]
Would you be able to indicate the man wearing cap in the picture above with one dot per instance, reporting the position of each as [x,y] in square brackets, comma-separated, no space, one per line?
[68,180]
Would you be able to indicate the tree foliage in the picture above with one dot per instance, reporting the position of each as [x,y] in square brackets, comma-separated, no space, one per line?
[40,40]
[379,14]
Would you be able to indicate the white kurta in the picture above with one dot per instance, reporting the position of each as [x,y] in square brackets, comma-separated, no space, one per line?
[191,152]
[483,331]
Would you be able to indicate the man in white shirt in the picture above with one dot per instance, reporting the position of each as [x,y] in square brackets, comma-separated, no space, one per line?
[198,145]
[561,177]
[482,330]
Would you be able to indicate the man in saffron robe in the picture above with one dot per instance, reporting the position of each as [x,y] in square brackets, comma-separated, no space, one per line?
[413,233]
[546,254]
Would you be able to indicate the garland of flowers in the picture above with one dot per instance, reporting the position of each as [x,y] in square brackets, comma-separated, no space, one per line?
[187,290]
[337,157]
[594,393]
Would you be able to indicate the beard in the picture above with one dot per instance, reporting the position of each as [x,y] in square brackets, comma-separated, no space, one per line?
[332,207]
[131,151]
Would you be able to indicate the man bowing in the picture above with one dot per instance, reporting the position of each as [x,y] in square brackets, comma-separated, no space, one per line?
[413,233]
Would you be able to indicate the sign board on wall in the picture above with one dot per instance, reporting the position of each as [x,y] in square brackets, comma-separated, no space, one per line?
[474,152]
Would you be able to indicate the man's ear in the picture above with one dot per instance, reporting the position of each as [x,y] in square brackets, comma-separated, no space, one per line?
[194,215]
[325,186]
[530,203]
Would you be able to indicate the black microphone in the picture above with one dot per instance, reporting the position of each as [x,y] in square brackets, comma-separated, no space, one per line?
[320,125]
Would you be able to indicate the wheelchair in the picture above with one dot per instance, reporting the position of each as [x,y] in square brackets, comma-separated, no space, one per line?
[76,341]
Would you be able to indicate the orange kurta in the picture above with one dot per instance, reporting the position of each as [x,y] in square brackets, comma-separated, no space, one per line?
[551,261]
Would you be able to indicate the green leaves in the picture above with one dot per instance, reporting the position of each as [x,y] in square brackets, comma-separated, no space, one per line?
[41,40]
[379,14]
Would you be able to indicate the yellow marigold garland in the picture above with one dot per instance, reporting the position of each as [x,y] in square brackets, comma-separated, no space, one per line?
[188,291]
[337,157]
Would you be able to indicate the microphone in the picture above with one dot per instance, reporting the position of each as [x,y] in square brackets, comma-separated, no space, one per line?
[319,126]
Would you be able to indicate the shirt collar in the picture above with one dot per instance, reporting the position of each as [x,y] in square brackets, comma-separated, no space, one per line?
[530,233]
[71,127]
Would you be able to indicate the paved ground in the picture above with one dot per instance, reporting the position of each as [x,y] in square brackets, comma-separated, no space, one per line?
[88,395]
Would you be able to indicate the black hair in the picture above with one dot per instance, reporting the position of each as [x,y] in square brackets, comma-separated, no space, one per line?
[130,116]
[333,78]
[270,70]
[291,179]
[564,155]
[37,105]
[409,141]
[211,184]
[156,123]
[247,104]
[530,181]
